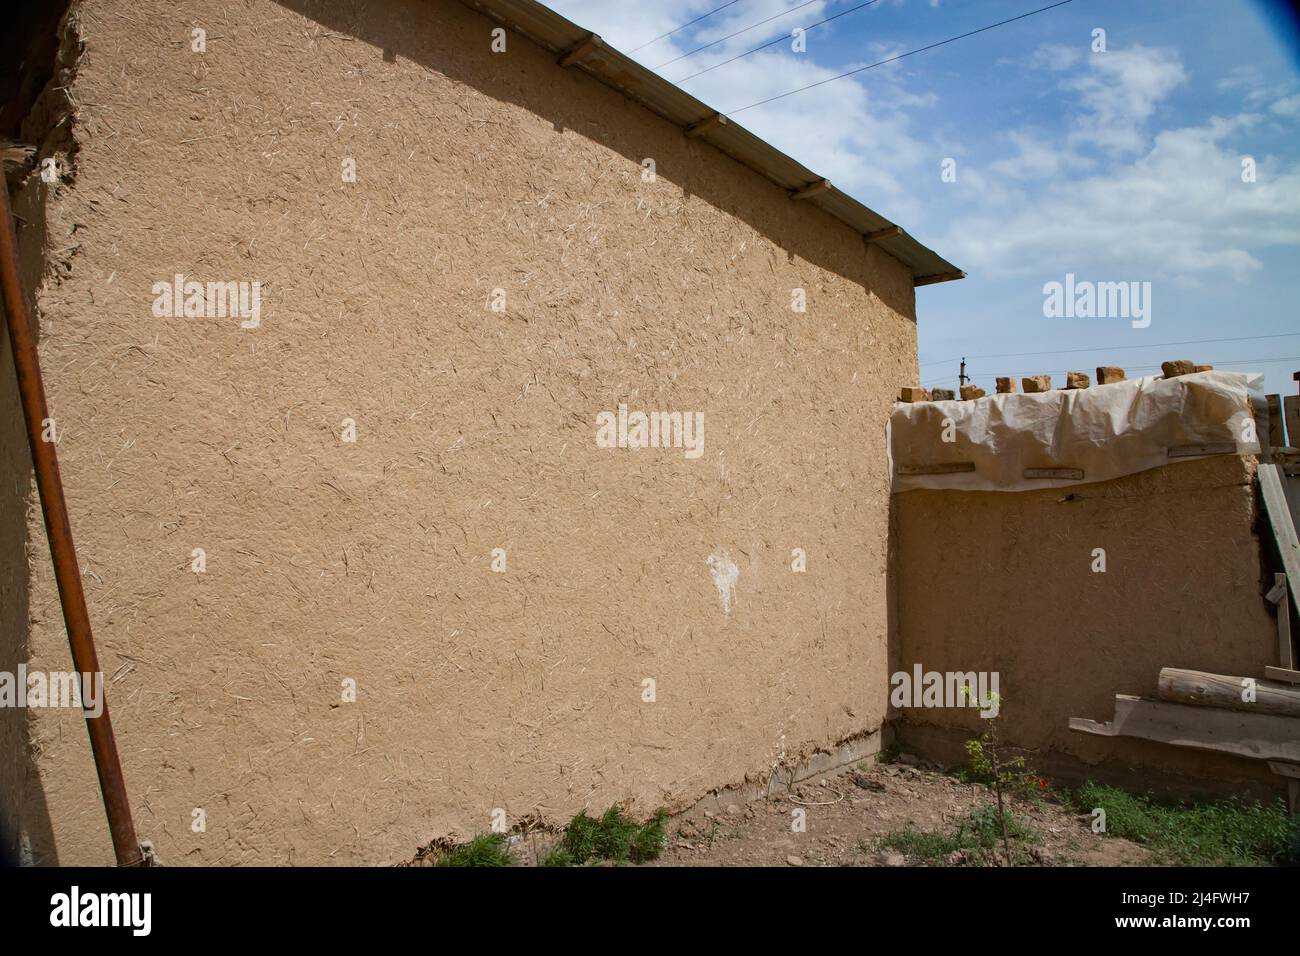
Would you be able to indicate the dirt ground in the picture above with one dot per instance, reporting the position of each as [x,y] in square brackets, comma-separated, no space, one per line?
[850,812]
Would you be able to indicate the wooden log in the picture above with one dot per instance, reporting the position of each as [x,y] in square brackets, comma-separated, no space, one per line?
[1255,736]
[1219,690]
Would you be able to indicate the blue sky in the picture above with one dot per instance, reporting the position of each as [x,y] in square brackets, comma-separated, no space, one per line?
[1122,166]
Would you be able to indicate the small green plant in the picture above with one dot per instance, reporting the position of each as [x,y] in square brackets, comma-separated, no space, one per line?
[983,827]
[613,836]
[1012,774]
[557,856]
[486,849]
[976,837]
[924,846]
[1222,833]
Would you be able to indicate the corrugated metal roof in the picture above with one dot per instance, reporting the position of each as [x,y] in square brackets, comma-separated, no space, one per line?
[581,49]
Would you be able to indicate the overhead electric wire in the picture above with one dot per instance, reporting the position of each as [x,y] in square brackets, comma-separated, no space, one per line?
[893,59]
[779,39]
[737,33]
[664,36]
[1114,348]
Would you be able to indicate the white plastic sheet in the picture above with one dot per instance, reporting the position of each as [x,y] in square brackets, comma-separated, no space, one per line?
[1104,432]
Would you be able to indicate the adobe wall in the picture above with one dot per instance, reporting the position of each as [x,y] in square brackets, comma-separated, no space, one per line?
[1004,581]
[371,560]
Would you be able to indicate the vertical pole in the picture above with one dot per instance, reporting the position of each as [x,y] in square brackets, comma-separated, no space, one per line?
[962,379]
[45,461]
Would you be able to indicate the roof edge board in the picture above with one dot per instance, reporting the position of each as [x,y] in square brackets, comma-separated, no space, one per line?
[560,36]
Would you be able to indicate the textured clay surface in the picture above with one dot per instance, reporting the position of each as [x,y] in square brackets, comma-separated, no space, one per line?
[1001,581]
[372,560]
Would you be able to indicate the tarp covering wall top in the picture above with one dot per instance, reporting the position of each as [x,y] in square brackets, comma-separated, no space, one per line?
[1064,437]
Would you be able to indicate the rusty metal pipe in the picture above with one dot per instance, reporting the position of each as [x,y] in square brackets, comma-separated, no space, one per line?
[27,368]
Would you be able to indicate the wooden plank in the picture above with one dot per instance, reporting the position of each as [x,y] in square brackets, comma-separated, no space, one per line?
[1276,431]
[938,277]
[582,50]
[696,130]
[1291,414]
[1277,595]
[1282,674]
[1072,473]
[1279,516]
[946,468]
[812,189]
[1254,736]
[1192,451]
[1285,769]
[1203,689]
[1291,771]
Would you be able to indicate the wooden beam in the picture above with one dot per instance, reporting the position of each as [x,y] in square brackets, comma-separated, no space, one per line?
[1291,415]
[1254,736]
[1284,534]
[1282,674]
[938,277]
[1290,771]
[1202,689]
[1194,451]
[946,468]
[1075,474]
[581,50]
[889,232]
[1277,597]
[1276,429]
[696,130]
[812,189]
[1285,769]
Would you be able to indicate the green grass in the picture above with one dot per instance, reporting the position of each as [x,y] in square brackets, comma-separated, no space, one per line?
[1224,833]
[611,837]
[979,835]
[486,849]
[923,846]
[557,856]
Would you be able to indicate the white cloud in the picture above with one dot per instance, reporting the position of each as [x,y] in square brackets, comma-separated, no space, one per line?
[1120,91]
[1179,211]
[1037,158]
[1289,106]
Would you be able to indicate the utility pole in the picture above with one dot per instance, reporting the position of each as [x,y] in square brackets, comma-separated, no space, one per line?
[962,378]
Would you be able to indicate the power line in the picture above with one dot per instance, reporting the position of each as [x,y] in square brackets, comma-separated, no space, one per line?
[779,39]
[1134,368]
[737,33]
[1116,348]
[663,36]
[892,59]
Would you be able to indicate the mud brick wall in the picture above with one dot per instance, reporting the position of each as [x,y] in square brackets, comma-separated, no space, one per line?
[1005,582]
[197,444]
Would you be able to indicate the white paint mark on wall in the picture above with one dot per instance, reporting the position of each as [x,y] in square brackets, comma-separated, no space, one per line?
[724,573]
